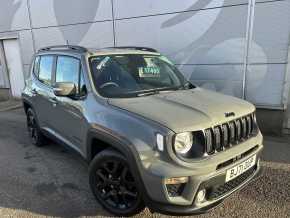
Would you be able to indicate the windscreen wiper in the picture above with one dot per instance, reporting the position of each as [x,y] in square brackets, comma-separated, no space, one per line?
[152,91]
[148,93]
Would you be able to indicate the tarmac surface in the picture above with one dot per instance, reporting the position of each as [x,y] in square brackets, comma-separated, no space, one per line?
[53,181]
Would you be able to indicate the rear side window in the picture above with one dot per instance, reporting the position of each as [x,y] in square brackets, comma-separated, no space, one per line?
[67,70]
[36,66]
[45,69]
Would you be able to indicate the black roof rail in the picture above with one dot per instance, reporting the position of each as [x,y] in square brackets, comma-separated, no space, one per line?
[71,47]
[136,48]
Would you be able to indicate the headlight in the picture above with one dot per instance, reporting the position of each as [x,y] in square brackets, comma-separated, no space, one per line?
[183,142]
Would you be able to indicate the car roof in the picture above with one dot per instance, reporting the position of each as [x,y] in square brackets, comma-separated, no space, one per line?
[113,51]
[72,49]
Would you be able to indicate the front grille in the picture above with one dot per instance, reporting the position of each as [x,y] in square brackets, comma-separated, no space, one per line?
[221,190]
[233,160]
[228,134]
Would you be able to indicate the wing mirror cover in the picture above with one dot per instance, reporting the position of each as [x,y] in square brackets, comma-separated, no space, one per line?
[65,89]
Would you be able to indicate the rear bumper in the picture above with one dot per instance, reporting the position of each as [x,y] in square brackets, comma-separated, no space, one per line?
[171,209]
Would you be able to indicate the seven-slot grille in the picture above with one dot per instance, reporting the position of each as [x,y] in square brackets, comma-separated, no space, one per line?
[228,134]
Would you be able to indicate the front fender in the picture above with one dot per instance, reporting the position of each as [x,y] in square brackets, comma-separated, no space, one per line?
[116,141]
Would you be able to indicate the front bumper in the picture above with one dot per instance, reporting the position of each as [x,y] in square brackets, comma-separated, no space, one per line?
[206,174]
[192,209]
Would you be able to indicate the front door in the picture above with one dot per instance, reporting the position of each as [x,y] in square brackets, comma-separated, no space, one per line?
[69,121]
[14,65]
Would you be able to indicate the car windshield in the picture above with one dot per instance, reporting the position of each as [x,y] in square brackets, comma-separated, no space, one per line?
[132,75]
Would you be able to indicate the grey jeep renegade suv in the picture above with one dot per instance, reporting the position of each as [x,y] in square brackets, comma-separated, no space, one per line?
[151,138]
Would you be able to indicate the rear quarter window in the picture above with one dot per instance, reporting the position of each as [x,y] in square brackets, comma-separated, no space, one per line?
[35,67]
[45,69]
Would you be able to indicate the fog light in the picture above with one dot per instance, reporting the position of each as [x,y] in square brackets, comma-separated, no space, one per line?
[177,180]
[200,196]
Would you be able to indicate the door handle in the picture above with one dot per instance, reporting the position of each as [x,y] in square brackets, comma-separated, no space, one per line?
[34,92]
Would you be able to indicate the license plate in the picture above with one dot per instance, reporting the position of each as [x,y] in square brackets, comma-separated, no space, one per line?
[240,168]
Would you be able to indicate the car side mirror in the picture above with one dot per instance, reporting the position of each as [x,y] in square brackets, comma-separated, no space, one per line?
[65,89]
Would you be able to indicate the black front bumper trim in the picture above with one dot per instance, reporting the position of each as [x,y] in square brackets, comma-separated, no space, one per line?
[175,210]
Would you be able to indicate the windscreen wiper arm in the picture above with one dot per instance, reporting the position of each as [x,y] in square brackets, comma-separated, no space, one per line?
[148,93]
[152,91]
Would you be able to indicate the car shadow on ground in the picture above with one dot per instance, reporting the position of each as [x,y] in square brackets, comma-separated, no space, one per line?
[277,149]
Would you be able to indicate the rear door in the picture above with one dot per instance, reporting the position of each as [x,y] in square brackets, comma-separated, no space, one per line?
[44,100]
[69,120]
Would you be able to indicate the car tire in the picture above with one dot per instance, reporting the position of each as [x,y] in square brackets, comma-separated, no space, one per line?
[113,184]
[36,136]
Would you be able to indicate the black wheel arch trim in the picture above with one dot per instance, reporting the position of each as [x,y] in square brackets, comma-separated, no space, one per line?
[26,101]
[123,146]
[106,135]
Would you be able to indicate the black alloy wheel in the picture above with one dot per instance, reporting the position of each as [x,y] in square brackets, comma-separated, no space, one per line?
[114,185]
[35,134]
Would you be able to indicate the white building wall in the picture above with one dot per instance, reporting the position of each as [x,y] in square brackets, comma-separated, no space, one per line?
[268,54]
[205,38]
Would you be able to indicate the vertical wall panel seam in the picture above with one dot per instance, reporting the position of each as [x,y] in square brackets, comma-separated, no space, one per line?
[286,86]
[113,19]
[30,23]
[286,92]
[249,36]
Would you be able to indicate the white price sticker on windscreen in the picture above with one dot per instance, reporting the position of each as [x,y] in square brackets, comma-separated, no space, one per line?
[149,72]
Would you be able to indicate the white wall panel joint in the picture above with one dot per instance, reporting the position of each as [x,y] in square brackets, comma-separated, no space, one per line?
[249,37]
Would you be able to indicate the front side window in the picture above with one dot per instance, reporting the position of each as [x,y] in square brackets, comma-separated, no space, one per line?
[132,75]
[67,70]
[45,69]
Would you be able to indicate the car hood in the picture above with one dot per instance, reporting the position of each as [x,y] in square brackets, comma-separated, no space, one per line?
[185,110]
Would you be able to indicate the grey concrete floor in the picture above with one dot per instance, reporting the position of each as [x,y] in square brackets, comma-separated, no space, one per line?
[53,181]
[10,104]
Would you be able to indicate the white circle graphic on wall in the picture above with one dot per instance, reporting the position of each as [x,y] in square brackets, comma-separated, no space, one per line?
[191,25]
